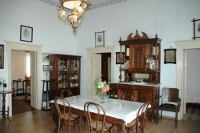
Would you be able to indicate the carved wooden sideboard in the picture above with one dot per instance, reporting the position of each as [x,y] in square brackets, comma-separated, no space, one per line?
[146,93]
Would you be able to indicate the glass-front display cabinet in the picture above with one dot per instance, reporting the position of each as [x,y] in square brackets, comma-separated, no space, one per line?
[142,54]
[66,72]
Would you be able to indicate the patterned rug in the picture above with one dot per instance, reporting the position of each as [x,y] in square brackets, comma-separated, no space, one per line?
[192,112]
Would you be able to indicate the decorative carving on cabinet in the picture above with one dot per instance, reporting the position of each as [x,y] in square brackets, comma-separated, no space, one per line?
[143,55]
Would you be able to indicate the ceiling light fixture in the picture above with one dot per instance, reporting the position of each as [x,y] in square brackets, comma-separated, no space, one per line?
[76,9]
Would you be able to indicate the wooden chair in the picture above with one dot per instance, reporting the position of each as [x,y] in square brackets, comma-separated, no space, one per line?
[128,95]
[66,93]
[65,117]
[96,122]
[137,125]
[170,101]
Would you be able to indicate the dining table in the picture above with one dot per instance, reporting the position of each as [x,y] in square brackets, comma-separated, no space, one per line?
[118,112]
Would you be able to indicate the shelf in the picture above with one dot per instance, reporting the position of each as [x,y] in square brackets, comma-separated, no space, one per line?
[70,74]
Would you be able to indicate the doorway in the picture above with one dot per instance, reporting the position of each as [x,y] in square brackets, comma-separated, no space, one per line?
[96,70]
[21,81]
[181,70]
[36,80]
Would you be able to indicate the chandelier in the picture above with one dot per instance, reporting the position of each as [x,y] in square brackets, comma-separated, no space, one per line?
[76,9]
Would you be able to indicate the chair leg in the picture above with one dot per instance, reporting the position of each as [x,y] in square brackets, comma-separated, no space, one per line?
[58,130]
[161,114]
[176,119]
[157,115]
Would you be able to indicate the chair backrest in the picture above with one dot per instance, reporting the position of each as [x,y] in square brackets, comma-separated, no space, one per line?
[170,95]
[129,95]
[142,113]
[98,120]
[65,108]
[141,117]
[66,93]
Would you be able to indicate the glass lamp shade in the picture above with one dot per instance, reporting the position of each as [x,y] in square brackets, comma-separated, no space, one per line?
[80,5]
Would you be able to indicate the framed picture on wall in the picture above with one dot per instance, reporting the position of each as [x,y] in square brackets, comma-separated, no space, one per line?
[1,56]
[99,39]
[45,57]
[26,33]
[196,28]
[120,57]
[170,56]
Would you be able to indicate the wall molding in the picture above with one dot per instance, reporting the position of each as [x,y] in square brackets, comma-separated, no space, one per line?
[95,6]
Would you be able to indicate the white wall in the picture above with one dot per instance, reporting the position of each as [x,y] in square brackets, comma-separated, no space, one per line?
[170,19]
[48,30]
[192,84]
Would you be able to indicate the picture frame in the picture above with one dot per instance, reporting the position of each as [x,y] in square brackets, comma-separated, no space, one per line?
[196,28]
[170,56]
[100,39]
[1,56]
[26,33]
[45,57]
[47,68]
[120,59]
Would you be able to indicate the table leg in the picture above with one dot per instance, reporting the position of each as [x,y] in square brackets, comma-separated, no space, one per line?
[4,108]
[3,105]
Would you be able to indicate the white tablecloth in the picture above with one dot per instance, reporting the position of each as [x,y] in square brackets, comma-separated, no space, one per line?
[121,109]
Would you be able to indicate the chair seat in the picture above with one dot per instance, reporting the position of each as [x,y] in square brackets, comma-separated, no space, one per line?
[168,106]
[107,125]
[66,116]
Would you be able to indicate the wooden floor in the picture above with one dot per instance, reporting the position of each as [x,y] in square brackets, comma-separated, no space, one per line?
[39,121]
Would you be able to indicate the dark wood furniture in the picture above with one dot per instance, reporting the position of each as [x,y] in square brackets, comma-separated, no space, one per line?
[170,101]
[4,112]
[95,123]
[112,107]
[143,56]
[65,116]
[147,93]
[17,82]
[66,72]
[139,123]
[130,95]
[47,94]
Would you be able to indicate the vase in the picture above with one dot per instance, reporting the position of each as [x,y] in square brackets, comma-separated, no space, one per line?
[101,96]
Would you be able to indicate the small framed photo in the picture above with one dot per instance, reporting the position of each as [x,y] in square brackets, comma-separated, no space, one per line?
[170,56]
[1,56]
[45,57]
[196,26]
[120,57]
[47,68]
[26,33]
[99,39]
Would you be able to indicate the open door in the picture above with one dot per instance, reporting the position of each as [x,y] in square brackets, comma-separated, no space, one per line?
[96,70]
[33,64]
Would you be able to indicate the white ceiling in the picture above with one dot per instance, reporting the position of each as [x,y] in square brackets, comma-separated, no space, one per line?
[93,2]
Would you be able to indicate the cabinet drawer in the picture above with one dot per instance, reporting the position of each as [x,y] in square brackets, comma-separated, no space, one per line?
[145,97]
